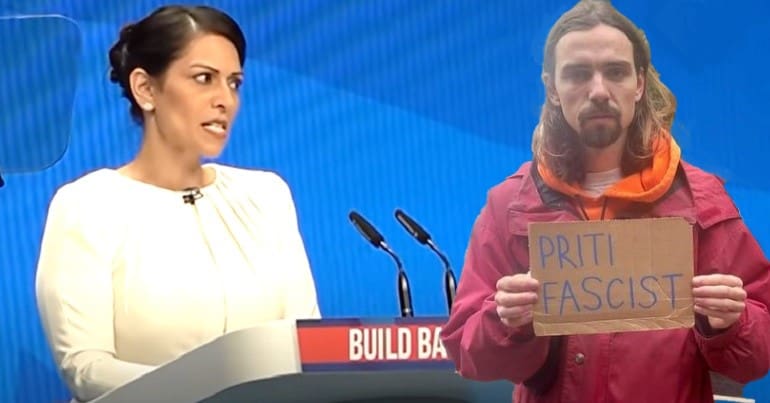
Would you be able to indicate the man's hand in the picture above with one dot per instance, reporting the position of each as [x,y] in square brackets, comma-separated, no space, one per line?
[515,298]
[720,297]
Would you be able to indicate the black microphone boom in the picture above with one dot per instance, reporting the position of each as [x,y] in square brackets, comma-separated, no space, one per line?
[422,236]
[378,241]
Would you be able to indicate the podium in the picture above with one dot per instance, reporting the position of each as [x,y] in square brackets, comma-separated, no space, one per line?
[316,361]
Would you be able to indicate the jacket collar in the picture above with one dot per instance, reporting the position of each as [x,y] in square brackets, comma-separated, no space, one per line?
[534,201]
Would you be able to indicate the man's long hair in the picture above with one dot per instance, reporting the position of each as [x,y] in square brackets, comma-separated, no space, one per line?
[555,142]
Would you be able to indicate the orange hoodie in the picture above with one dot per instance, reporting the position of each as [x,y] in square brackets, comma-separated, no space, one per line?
[645,186]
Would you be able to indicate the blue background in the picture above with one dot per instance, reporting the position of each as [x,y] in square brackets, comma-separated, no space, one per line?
[366,105]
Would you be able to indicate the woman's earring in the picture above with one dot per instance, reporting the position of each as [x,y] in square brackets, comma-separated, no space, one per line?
[147,106]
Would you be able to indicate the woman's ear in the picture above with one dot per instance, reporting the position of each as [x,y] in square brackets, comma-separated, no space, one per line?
[142,89]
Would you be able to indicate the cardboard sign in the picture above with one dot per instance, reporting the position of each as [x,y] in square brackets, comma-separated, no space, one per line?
[612,275]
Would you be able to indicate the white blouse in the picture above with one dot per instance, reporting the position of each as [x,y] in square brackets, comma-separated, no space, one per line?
[130,276]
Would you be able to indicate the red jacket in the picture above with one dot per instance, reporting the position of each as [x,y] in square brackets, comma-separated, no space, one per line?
[649,366]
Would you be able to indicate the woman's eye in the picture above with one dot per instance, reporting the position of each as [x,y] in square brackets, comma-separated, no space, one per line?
[203,78]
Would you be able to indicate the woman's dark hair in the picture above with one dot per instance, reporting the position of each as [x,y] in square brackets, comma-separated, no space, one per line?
[158,39]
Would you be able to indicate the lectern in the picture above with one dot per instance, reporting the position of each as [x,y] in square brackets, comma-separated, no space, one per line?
[316,361]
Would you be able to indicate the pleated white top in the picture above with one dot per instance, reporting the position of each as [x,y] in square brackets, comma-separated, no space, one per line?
[130,276]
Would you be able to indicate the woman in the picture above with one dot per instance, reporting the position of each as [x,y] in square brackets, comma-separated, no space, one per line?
[145,262]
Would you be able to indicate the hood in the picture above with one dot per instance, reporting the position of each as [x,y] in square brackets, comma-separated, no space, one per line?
[645,186]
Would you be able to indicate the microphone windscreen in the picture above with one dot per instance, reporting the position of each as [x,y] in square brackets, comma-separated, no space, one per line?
[366,229]
[412,227]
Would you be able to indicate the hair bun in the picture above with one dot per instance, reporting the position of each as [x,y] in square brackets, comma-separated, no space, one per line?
[119,54]
[125,32]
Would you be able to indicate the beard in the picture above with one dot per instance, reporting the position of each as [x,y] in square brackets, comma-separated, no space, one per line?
[600,135]
[563,149]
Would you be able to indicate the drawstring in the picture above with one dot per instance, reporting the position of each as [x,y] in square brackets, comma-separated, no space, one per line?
[583,208]
[604,208]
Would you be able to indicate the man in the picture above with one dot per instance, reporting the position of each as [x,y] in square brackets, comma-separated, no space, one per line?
[602,150]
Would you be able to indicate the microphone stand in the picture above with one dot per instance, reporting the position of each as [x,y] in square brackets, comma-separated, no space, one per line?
[375,238]
[418,232]
[402,284]
[450,283]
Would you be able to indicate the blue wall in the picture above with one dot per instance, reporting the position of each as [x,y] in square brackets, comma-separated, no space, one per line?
[370,106]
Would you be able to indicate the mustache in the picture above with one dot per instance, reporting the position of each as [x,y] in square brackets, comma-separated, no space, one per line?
[597,110]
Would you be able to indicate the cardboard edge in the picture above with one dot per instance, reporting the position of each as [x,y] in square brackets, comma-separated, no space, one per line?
[612,326]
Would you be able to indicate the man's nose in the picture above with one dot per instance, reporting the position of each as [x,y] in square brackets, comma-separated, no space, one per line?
[598,89]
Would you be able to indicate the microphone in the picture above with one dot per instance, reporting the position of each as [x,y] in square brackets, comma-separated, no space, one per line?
[192,195]
[376,239]
[422,236]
